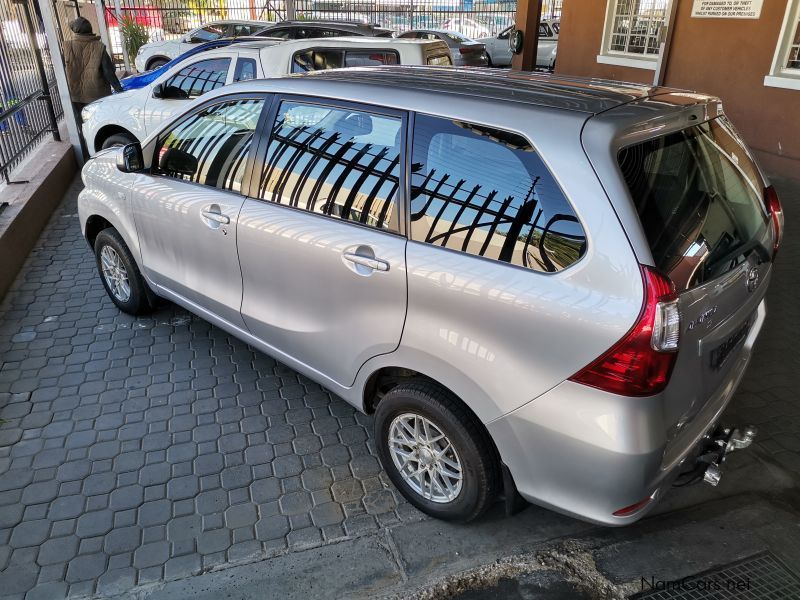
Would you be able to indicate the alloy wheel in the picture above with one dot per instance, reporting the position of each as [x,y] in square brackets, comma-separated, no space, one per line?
[425,458]
[115,274]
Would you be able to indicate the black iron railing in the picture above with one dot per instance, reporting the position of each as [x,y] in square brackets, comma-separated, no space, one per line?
[29,103]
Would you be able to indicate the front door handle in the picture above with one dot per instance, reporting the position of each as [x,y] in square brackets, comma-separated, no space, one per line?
[376,264]
[216,217]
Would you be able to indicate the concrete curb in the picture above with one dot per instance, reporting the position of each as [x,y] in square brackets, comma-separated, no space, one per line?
[49,172]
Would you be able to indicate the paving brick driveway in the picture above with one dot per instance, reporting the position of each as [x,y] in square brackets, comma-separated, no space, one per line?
[136,450]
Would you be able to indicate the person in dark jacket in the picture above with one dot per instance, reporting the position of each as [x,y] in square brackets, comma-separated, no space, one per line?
[90,70]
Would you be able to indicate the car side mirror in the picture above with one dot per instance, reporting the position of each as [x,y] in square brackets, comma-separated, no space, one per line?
[169,92]
[195,40]
[174,160]
[130,158]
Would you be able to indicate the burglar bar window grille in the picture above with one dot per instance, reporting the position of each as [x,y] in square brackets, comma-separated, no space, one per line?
[635,25]
[785,69]
[793,58]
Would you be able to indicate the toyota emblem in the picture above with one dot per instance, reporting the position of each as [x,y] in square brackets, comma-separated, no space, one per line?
[752,279]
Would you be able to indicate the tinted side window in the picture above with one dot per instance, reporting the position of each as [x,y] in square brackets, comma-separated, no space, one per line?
[211,146]
[317,60]
[245,69]
[326,33]
[487,192]
[242,29]
[198,78]
[285,33]
[208,33]
[335,161]
[370,59]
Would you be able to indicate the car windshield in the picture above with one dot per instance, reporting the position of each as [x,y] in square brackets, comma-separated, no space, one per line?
[699,197]
[208,33]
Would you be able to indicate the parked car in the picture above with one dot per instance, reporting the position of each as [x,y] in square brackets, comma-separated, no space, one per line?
[500,52]
[465,52]
[471,28]
[299,30]
[132,115]
[157,54]
[140,80]
[549,285]
[553,26]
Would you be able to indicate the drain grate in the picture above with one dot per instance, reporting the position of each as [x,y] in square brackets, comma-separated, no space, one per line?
[760,577]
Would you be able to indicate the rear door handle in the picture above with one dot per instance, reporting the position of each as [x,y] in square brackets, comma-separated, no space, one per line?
[376,264]
[215,216]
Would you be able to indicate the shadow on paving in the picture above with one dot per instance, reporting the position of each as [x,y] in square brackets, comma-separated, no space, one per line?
[138,451]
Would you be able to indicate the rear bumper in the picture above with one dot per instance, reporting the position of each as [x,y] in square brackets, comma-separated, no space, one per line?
[588,453]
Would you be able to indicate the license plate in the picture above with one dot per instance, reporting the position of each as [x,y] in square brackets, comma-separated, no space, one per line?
[721,353]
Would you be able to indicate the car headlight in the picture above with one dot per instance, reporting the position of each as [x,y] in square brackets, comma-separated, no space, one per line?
[87,111]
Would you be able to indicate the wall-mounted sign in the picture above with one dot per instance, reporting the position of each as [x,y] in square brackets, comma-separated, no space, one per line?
[727,9]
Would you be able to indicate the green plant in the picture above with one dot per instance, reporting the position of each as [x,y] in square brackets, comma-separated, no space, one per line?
[134,35]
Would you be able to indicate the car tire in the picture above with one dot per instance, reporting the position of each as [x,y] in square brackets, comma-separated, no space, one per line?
[120,275]
[489,60]
[118,139]
[156,63]
[464,449]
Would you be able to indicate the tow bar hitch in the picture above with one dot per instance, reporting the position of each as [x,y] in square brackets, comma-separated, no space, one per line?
[714,448]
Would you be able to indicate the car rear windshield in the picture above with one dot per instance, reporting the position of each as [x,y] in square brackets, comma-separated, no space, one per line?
[700,200]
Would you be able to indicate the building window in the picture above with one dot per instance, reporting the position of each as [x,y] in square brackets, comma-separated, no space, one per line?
[632,32]
[785,70]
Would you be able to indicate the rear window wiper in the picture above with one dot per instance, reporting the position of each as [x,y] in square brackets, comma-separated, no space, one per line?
[755,245]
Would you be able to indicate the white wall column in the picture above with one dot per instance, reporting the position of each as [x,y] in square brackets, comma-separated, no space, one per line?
[70,118]
[102,29]
[125,58]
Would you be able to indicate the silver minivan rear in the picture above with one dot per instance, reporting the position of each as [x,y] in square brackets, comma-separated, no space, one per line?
[705,226]
[538,285]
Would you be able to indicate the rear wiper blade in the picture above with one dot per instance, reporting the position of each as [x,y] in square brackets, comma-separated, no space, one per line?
[755,245]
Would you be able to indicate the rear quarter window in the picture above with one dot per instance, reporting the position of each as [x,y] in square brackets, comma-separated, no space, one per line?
[487,192]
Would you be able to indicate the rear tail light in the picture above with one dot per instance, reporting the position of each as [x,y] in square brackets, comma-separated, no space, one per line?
[640,364]
[466,50]
[776,213]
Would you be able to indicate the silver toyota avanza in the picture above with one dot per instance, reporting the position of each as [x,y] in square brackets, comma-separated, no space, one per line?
[539,286]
